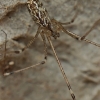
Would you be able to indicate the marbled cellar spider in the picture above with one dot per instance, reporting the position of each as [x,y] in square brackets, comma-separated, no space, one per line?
[49,28]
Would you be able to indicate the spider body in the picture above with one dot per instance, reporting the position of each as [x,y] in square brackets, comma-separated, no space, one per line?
[41,17]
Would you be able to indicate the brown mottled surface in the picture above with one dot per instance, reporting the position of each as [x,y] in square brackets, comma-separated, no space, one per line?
[81,61]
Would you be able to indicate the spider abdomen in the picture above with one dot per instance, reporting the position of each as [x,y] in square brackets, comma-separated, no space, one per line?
[39,13]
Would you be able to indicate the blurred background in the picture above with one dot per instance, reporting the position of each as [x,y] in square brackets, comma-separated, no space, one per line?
[80,60]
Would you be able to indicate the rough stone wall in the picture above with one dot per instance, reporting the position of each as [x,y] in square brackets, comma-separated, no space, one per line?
[81,61]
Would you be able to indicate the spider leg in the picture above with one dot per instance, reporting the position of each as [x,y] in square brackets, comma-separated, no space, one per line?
[13,42]
[71,21]
[33,66]
[29,44]
[95,24]
[20,70]
[45,46]
[73,35]
[61,68]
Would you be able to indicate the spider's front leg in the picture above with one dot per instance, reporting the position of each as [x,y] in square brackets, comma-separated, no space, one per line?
[73,18]
[93,26]
[71,21]
[40,63]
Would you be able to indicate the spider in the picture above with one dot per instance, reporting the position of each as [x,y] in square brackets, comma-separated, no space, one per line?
[50,28]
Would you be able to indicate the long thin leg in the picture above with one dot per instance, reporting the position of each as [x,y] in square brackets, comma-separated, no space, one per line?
[13,43]
[61,68]
[75,36]
[45,46]
[94,25]
[3,60]
[29,44]
[33,66]
[71,21]
[17,71]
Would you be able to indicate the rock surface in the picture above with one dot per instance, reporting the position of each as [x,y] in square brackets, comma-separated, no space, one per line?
[81,61]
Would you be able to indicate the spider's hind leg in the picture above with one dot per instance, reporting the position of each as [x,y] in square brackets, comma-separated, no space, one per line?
[75,36]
